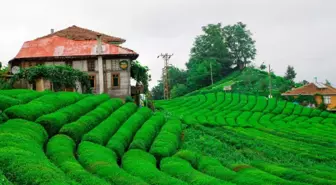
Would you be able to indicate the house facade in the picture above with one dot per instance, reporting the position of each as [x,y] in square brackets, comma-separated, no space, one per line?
[101,56]
[322,93]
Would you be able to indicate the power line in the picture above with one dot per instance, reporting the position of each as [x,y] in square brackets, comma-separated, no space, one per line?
[166,57]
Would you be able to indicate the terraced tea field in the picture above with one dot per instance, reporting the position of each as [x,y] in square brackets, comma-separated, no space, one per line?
[68,138]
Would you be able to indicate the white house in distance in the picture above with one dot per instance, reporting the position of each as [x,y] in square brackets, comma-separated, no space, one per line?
[100,55]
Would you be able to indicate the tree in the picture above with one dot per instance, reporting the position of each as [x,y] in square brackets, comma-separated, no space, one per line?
[263,66]
[157,91]
[210,46]
[140,74]
[290,73]
[179,90]
[240,45]
[0,65]
[176,76]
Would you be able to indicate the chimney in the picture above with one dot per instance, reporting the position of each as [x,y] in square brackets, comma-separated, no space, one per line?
[52,31]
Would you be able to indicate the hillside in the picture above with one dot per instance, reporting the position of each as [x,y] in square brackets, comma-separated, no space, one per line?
[70,139]
[248,81]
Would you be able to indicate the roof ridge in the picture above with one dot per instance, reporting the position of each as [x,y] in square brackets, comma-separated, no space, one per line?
[78,33]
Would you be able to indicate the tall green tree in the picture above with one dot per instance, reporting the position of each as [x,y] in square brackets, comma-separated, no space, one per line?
[239,43]
[140,74]
[290,73]
[157,91]
[210,46]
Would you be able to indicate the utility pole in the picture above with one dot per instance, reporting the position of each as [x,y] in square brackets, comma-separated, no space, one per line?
[166,57]
[270,81]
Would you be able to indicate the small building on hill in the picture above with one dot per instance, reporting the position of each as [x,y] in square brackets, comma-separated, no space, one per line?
[321,93]
[101,56]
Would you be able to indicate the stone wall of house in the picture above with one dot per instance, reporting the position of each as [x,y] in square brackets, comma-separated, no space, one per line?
[111,67]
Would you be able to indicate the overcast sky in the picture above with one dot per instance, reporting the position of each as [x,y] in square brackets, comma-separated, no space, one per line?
[300,33]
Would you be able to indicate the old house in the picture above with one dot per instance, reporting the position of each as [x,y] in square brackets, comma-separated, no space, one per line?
[101,56]
[321,93]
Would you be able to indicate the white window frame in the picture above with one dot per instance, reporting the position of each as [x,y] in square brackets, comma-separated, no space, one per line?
[327,100]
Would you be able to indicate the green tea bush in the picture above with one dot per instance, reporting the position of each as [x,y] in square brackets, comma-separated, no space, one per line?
[252,100]
[142,164]
[168,139]
[279,107]
[102,162]
[22,159]
[53,122]
[84,124]
[106,129]
[7,101]
[60,150]
[120,141]
[214,168]
[306,111]
[43,105]
[145,136]
[290,174]
[14,92]
[4,180]
[271,105]
[260,105]
[183,170]
[288,110]
[27,97]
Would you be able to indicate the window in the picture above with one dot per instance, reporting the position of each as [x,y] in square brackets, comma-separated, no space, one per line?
[92,79]
[91,65]
[115,80]
[327,100]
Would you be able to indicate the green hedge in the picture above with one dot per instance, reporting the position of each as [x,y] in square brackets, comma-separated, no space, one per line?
[7,101]
[105,130]
[60,150]
[147,133]
[290,174]
[168,139]
[14,92]
[22,159]
[53,122]
[183,170]
[27,97]
[87,122]
[43,105]
[102,162]
[120,141]
[143,165]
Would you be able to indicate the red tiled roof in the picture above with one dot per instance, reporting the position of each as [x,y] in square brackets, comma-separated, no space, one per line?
[311,89]
[55,46]
[81,34]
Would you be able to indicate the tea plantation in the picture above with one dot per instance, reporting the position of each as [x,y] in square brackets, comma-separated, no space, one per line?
[67,138]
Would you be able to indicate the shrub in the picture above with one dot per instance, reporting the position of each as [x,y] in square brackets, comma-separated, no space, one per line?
[6,102]
[147,133]
[213,167]
[129,99]
[43,105]
[290,174]
[14,92]
[22,156]
[168,139]
[27,97]
[104,131]
[60,150]
[90,120]
[53,122]
[120,141]
[143,165]
[102,162]
[181,169]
